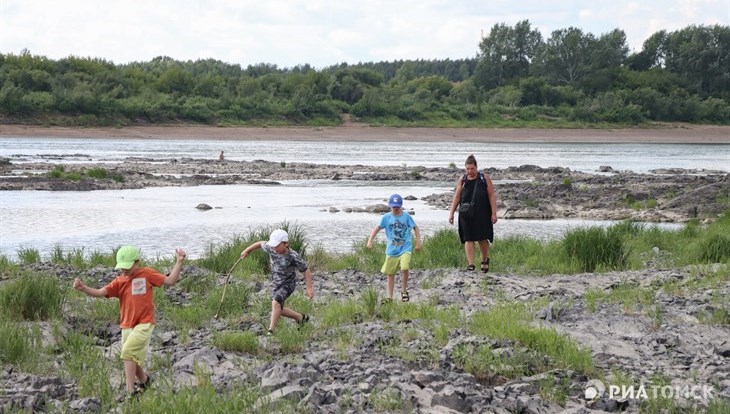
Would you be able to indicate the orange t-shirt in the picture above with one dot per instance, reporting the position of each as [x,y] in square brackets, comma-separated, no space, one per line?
[136,304]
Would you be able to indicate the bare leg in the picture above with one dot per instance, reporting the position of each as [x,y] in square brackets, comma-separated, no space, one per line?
[141,376]
[391,286]
[484,248]
[275,314]
[469,250]
[130,372]
[404,280]
[289,313]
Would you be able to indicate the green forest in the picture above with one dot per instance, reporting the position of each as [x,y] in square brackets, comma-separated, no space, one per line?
[518,77]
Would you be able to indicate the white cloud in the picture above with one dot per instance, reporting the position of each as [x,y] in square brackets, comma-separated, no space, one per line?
[319,32]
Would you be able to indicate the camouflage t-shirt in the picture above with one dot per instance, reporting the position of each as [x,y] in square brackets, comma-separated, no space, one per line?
[284,266]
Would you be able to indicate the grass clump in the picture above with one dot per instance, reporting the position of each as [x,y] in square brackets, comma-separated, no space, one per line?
[715,249]
[28,255]
[86,363]
[32,297]
[630,297]
[292,338]
[338,313]
[388,400]
[595,247]
[486,363]
[238,298]
[59,172]
[246,342]
[241,398]
[19,344]
[221,258]
[512,321]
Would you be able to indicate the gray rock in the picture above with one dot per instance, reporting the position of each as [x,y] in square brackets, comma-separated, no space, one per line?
[452,399]
[203,206]
[88,404]
[290,393]
[205,359]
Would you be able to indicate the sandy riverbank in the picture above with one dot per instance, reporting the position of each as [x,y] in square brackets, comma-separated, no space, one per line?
[674,133]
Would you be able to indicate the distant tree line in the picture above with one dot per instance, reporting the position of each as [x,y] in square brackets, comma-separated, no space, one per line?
[516,78]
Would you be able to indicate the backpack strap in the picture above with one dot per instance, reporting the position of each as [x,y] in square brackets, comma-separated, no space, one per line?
[481,180]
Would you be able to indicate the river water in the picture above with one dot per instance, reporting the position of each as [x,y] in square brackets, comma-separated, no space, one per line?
[160,219]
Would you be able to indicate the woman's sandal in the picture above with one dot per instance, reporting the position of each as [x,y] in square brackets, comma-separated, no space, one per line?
[471,268]
[485,266]
[404,296]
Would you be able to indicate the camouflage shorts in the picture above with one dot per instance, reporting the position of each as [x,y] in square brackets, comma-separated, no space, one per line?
[282,292]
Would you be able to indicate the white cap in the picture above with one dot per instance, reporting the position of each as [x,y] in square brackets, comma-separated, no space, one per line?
[277,237]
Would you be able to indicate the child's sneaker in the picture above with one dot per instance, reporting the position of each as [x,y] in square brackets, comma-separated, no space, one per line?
[142,387]
[134,396]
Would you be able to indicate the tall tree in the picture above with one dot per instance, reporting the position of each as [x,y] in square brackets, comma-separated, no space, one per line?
[566,56]
[506,54]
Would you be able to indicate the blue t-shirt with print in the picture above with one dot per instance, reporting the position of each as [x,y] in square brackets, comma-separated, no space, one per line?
[397,233]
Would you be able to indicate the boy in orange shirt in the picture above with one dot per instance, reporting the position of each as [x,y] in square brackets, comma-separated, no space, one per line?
[136,308]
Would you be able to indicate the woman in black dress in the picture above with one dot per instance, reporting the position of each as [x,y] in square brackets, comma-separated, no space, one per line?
[475,188]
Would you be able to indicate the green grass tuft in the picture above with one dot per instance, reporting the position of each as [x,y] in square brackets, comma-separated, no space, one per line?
[32,297]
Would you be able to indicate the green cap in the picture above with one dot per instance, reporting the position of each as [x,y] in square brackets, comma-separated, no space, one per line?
[126,256]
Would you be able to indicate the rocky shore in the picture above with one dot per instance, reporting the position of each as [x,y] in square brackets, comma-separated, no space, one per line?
[525,192]
[635,343]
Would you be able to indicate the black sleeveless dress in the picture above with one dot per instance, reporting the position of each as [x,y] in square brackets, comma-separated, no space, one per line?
[480,226]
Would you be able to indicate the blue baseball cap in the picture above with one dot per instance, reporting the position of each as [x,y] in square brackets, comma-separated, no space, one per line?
[395,201]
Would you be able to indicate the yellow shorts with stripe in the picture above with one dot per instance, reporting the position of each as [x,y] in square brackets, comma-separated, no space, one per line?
[390,267]
[135,342]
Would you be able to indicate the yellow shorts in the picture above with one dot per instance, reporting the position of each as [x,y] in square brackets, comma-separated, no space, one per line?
[393,262]
[135,342]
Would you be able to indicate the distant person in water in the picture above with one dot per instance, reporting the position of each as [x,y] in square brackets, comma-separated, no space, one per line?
[221,157]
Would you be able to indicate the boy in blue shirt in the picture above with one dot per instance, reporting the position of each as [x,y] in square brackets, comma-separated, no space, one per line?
[397,225]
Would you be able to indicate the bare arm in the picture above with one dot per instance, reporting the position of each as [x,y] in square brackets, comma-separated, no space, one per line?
[418,238]
[492,198]
[97,293]
[308,282]
[455,201]
[174,276]
[251,248]
[373,233]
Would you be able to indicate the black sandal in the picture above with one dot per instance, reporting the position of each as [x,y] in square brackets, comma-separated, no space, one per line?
[404,296]
[485,266]
[471,268]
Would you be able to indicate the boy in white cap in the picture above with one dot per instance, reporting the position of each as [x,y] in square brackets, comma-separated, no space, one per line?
[397,225]
[133,287]
[284,264]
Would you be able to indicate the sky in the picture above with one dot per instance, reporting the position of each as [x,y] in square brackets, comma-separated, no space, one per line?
[321,33]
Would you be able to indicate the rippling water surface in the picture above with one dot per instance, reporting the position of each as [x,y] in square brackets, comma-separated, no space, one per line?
[582,157]
[161,219]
